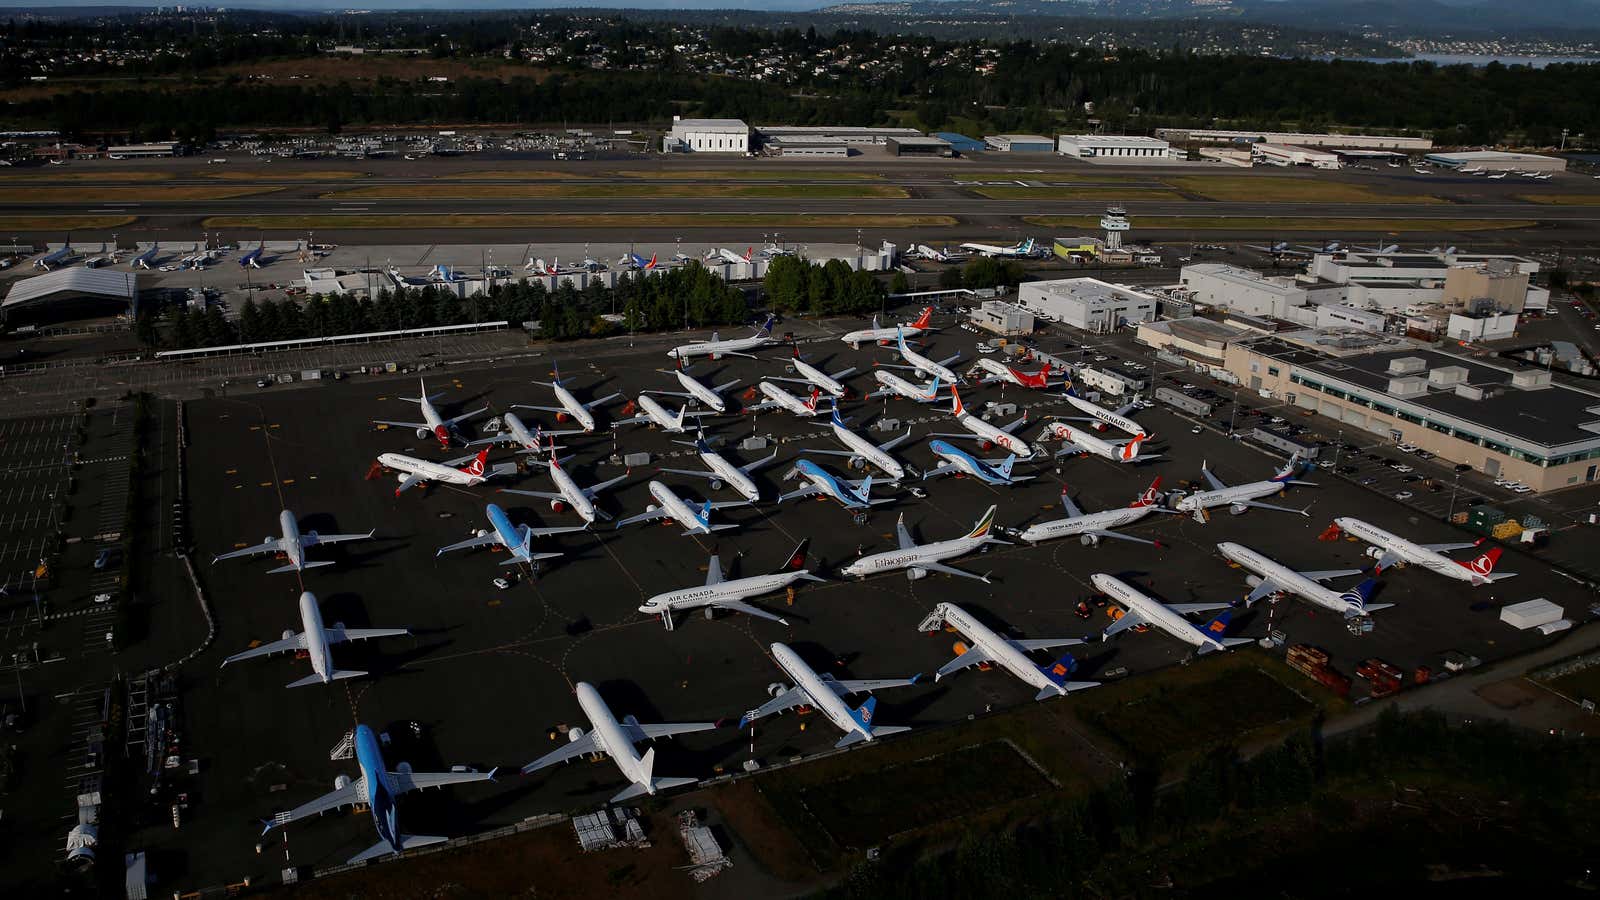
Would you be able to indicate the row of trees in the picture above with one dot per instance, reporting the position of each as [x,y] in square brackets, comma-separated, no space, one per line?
[795,285]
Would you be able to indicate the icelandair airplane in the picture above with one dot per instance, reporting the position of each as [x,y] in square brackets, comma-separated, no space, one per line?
[721,471]
[884,336]
[378,789]
[314,642]
[415,471]
[716,348]
[989,648]
[293,545]
[694,390]
[825,693]
[518,539]
[616,740]
[579,412]
[1091,527]
[720,593]
[568,493]
[1388,549]
[918,560]
[988,435]
[1242,497]
[1271,577]
[444,430]
[1076,440]
[669,505]
[1140,608]
[993,472]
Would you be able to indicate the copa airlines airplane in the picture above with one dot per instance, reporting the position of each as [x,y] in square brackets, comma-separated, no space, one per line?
[293,545]
[822,483]
[1076,440]
[989,648]
[990,436]
[724,472]
[314,642]
[999,371]
[864,451]
[883,336]
[415,471]
[1242,497]
[895,386]
[993,472]
[694,390]
[444,430]
[822,381]
[923,365]
[568,493]
[918,561]
[716,348]
[719,593]
[825,693]
[378,789]
[579,412]
[1091,527]
[1390,548]
[513,431]
[616,740]
[778,398]
[1272,577]
[657,415]
[1099,414]
[1140,608]
[518,539]
[669,505]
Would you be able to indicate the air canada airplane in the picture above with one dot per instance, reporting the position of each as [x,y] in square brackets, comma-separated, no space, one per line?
[726,593]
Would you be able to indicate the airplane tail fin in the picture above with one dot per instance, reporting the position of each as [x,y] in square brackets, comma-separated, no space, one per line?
[1289,470]
[836,419]
[1483,566]
[811,404]
[1069,390]
[1149,497]
[478,464]
[1360,594]
[797,558]
[766,327]
[1130,450]
[1059,671]
[705,513]
[981,529]
[864,488]
[1217,627]
[1005,467]
[933,388]
[957,408]
[863,713]
[923,320]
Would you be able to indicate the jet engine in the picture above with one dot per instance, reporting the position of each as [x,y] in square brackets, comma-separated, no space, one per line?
[574,735]
[401,477]
[340,782]
[914,574]
[404,768]
[423,434]
[716,484]
[1237,509]
[1089,540]
[776,690]
[558,505]
[288,633]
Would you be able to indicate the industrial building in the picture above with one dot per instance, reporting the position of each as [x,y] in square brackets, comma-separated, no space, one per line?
[919,146]
[808,147]
[1088,304]
[1002,318]
[960,142]
[1513,423]
[1338,315]
[831,134]
[1252,293]
[1289,155]
[1296,138]
[145,151]
[71,292]
[1498,161]
[1394,281]
[1196,339]
[1087,146]
[1019,143]
[707,136]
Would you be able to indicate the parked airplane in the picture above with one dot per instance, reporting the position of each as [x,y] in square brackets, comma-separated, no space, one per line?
[1021,248]
[720,593]
[694,390]
[863,452]
[568,493]
[923,365]
[1091,527]
[293,545]
[883,336]
[1497,176]
[992,472]
[513,431]
[1389,548]
[923,251]
[314,642]
[732,258]
[443,430]
[852,495]
[988,435]
[990,648]
[669,505]
[894,385]
[1272,577]
[823,692]
[1103,417]
[252,260]
[999,371]
[917,561]
[809,374]
[443,274]
[56,258]
[657,415]
[1140,608]
[616,740]
[1242,497]
[1076,440]
[778,398]
[378,789]
[146,259]
[518,539]
[579,412]
[716,348]
[721,471]
[637,263]
[414,471]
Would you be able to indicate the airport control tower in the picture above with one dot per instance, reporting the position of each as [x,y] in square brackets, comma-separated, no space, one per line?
[1115,222]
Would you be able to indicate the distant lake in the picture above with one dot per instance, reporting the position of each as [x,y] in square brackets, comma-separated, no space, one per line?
[1457,59]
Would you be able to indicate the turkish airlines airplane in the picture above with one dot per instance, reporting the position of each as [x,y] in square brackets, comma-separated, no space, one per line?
[293,545]
[988,435]
[990,648]
[1091,527]
[444,430]
[883,336]
[823,692]
[1140,608]
[314,641]
[415,471]
[1076,440]
[1270,577]
[1389,548]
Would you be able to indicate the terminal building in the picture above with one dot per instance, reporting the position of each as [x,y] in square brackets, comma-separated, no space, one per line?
[919,146]
[707,136]
[1019,143]
[1498,161]
[1101,146]
[1503,422]
[1296,138]
[1087,304]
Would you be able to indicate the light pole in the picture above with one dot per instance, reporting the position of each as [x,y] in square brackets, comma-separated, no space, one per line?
[1336,448]
[1452,513]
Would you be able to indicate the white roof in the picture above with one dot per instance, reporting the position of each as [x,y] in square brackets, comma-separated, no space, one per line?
[1481,155]
[1018,138]
[1089,291]
[729,126]
[78,280]
[1114,140]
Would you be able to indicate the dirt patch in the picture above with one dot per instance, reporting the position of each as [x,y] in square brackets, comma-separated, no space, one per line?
[1511,693]
[131,194]
[66,223]
[283,175]
[55,174]
[756,825]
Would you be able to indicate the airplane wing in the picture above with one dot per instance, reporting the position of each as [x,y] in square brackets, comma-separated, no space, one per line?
[728,504]
[1129,619]
[486,540]
[272,546]
[416,781]
[583,746]
[943,469]
[965,435]
[637,732]
[1331,574]
[1437,548]
[903,534]
[309,540]
[1267,586]
[465,416]
[1389,558]
[949,570]
[593,489]
[789,699]
[1067,506]
[340,635]
[410,482]
[1120,536]
[351,793]
[809,490]
[1257,504]
[696,473]
[1043,643]
[403,424]
[1191,608]
[845,688]
[1012,428]
[892,443]
[1216,483]
[542,495]
[759,464]
[649,515]
[714,571]
[297,642]
[1126,408]
[461,460]
[606,399]
[974,656]
[749,610]
[946,362]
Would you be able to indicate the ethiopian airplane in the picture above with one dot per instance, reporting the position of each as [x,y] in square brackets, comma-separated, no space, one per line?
[1390,548]
[518,539]
[895,386]
[293,545]
[722,593]
[825,693]
[568,493]
[990,648]
[922,364]
[444,430]
[669,505]
[616,740]
[1091,527]
[722,472]
[1076,440]
[694,390]
[570,407]
[993,472]
[377,789]
[863,451]
[1242,497]
[716,348]
[1271,577]
[414,471]
[822,381]
[918,560]
[1140,608]
[988,435]
[314,642]
[657,415]
[884,336]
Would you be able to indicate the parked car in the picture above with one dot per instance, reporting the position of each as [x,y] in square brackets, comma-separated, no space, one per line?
[1402,495]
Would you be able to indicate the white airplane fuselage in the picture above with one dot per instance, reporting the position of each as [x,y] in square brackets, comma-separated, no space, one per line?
[519,432]
[1408,551]
[1087,442]
[731,475]
[677,508]
[896,560]
[428,470]
[879,335]
[316,638]
[290,541]
[1255,490]
[785,400]
[995,436]
[823,381]
[1153,611]
[1104,520]
[659,416]
[1096,411]
[1281,575]
[610,737]
[869,452]
[574,496]
[903,388]
[927,366]
[997,648]
[705,595]
[576,410]
[700,392]
[822,696]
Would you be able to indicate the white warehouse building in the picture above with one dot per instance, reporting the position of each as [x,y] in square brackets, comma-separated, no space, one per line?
[1291,155]
[707,136]
[1113,145]
[1088,304]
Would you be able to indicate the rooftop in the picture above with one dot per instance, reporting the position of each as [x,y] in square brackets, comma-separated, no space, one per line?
[1089,291]
[732,126]
[1481,155]
[69,283]
[1113,140]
